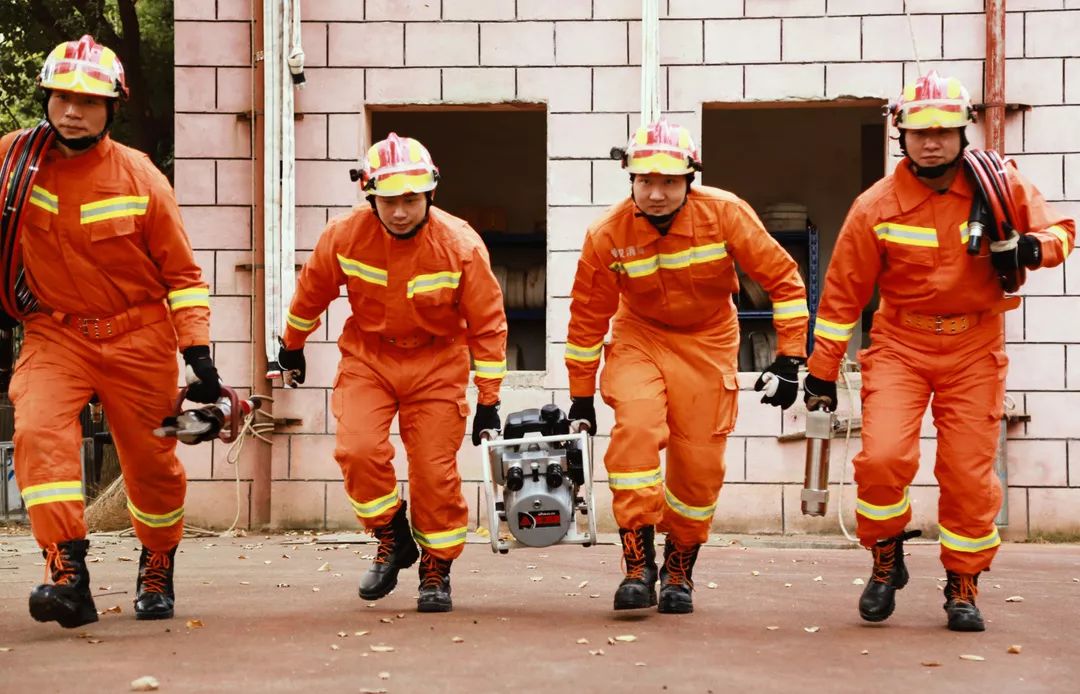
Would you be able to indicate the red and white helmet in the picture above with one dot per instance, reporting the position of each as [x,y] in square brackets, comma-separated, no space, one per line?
[84,67]
[396,166]
[661,148]
[933,101]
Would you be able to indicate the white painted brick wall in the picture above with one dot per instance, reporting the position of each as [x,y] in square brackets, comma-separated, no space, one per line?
[590,43]
[406,85]
[1072,177]
[862,7]
[483,10]
[1045,171]
[619,89]
[1072,81]
[400,10]
[705,9]
[1051,34]
[366,43]
[585,134]
[569,182]
[478,85]
[779,82]
[942,6]
[1052,129]
[563,88]
[1035,81]
[884,80]
[742,41]
[680,42]
[821,39]
[785,8]
[525,43]
[567,226]
[441,43]
[964,36]
[610,183]
[888,38]
[693,85]
[562,9]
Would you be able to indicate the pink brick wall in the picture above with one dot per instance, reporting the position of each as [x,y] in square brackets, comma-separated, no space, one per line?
[580,58]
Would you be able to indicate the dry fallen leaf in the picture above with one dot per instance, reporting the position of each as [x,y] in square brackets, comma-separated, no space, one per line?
[400,615]
[324,567]
[361,633]
[124,559]
[599,651]
[755,573]
[772,628]
[474,571]
[582,585]
[537,578]
[342,634]
[626,638]
[639,664]
[787,585]
[711,585]
[819,578]
[381,648]
[266,561]
[194,624]
[283,585]
[611,641]
[930,663]
[6,649]
[1014,598]
[315,589]
[1015,649]
[997,585]
[565,578]
[372,691]
[93,640]
[104,587]
[144,684]
[245,583]
[976,658]
[864,652]
[811,630]
[583,641]
[386,620]
[858,582]
[384,675]
[115,609]
[457,639]
[335,647]
[594,595]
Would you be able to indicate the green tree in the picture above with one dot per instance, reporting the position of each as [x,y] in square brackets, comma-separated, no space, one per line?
[141,33]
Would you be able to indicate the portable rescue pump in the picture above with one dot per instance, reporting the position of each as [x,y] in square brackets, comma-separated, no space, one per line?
[538,481]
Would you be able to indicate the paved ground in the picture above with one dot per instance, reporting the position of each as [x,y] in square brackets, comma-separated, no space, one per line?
[277,616]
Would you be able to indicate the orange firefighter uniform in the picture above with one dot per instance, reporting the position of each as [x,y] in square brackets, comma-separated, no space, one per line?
[106,256]
[938,331]
[670,369]
[419,306]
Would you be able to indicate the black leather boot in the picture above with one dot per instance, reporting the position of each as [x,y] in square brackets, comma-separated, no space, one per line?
[397,550]
[434,584]
[677,579]
[67,600]
[878,599]
[638,588]
[960,593]
[154,596]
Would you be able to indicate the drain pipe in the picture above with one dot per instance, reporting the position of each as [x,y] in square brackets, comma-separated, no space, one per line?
[994,134]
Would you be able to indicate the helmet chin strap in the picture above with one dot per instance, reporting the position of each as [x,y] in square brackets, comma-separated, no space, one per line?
[661,222]
[80,144]
[940,170]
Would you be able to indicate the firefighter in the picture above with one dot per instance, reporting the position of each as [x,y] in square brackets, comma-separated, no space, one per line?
[662,262]
[938,334]
[118,291]
[422,296]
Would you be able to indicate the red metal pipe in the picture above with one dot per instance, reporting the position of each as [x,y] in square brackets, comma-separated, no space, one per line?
[994,97]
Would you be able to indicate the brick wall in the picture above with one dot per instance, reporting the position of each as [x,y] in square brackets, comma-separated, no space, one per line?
[580,58]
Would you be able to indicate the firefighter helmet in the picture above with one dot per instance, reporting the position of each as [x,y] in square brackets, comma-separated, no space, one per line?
[84,67]
[396,166]
[933,101]
[662,148]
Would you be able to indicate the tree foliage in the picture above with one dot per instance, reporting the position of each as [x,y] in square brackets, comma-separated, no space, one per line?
[141,33]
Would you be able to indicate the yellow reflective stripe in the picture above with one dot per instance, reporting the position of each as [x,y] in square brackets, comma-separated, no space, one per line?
[42,198]
[156,520]
[301,324]
[578,353]
[52,492]
[839,332]
[432,282]
[368,273]
[1062,236]
[490,369]
[786,310]
[441,540]
[698,513]
[907,235]
[634,480]
[964,235]
[695,255]
[960,543]
[111,208]
[375,507]
[880,513]
[185,298]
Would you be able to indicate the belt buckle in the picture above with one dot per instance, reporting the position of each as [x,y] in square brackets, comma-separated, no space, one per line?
[92,327]
[939,325]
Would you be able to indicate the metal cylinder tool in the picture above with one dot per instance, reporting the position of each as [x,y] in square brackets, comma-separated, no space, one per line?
[815,492]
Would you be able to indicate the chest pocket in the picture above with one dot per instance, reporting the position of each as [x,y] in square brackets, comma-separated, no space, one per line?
[40,210]
[434,294]
[366,284]
[639,279]
[112,222]
[909,246]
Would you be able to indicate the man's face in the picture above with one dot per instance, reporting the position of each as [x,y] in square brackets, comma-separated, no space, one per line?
[933,147]
[657,195]
[78,115]
[401,213]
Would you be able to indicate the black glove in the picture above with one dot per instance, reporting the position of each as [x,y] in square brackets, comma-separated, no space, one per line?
[486,417]
[814,387]
[293,360]
[582,407]
[207,386]
[786,372]
[1020,251]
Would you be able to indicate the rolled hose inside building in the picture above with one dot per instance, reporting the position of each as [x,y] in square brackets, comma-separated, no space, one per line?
[17,173]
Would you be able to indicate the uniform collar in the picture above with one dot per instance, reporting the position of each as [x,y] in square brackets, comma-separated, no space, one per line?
[912,192]
[87,158]
[689,218]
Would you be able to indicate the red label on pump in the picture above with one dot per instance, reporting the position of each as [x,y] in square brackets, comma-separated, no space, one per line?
[540,519]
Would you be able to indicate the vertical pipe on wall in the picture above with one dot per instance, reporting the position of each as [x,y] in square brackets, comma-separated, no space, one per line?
[994,98]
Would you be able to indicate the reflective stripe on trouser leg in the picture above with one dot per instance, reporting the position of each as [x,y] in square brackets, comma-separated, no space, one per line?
[50,386]
[894,398]
[632,385]
[364,409]
[695,474]
[136,387]
[433,419]
[967,409]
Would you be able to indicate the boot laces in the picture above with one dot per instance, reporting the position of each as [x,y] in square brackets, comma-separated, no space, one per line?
[884,563]
[678,564]
[963,588]
[633,555]
[386,538]
[56,566]
[433,571]
[155,572]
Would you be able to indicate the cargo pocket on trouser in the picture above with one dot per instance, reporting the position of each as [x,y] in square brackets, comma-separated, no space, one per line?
[727,406]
